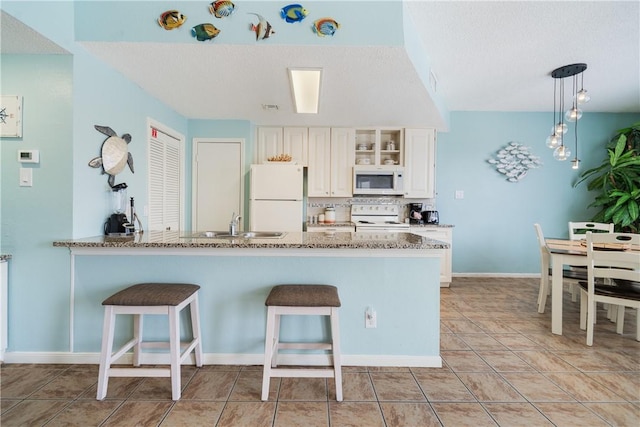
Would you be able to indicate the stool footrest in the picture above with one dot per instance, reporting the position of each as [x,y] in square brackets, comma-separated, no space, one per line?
[304,346]
[306,373]
[139,372]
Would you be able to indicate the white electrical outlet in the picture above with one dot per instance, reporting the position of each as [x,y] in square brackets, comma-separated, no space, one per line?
[459,194]
[370,318]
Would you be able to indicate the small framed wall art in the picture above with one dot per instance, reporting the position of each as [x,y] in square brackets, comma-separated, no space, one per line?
[10,116]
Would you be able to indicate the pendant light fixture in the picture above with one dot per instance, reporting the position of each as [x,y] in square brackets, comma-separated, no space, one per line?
[556,140]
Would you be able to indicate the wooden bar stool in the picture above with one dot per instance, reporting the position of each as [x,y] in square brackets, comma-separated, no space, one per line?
[150,298]
[298,300]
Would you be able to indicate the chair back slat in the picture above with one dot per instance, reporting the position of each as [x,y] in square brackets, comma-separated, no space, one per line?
[604,261]
[578,230]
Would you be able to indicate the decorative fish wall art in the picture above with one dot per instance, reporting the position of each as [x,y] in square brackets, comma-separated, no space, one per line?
[264,29]
[222,8]
[114,154]
[171,19]
[293,13]
[204,32]
[514,161]
[325,27]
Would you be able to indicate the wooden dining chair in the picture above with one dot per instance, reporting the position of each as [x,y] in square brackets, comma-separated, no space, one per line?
[571,276]
[577,231]
[606,259]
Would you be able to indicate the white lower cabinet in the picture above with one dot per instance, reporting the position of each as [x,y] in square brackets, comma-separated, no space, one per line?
[444,234]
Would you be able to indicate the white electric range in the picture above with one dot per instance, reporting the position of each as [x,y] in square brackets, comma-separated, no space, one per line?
[378,218]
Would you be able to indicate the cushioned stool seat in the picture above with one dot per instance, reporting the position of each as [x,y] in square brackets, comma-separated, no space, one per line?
[150,298]
[301,300]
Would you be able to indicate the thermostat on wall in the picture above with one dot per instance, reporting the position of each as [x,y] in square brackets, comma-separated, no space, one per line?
[29,156]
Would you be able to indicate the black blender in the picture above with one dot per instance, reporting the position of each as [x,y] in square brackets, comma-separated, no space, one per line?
[116,224]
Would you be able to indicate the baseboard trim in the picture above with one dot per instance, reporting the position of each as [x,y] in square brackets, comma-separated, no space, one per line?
[230,359]
[498,275]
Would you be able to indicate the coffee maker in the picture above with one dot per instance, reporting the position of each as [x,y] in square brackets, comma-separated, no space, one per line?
[415,213]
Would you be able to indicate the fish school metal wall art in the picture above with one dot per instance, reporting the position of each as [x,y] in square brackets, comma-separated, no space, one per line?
[514,161]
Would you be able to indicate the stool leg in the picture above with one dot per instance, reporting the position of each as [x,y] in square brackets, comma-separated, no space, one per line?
[195,327]
[137,335]
[108,328]
[276,340]
[268,352]
[335,346]
[174,351]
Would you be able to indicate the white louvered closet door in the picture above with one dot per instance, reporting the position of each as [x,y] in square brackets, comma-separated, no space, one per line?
[164,181]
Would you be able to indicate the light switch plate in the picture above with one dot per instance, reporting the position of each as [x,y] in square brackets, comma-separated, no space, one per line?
[459,194]
[26,177]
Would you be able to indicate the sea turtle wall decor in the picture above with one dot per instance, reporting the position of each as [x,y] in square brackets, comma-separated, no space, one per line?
[114,154]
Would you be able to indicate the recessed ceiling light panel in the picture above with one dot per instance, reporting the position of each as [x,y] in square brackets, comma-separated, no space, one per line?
[305,87]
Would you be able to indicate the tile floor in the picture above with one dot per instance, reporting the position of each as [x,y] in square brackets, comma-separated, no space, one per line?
[501,366]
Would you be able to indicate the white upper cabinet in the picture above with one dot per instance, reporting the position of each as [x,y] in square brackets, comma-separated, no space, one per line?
[379,146]
[319,172]
[420,161]
[342,158]
[273,141]
[295,143]
[331,158]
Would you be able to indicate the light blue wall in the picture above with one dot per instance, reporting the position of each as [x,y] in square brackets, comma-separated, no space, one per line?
[32,217]
[494,222]
[366,23]
[66,95]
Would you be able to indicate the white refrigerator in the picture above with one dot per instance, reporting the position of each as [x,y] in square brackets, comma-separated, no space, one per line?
[276,197]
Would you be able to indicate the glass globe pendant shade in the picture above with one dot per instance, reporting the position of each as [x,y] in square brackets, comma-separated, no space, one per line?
[554,140]
[582,97]
[559,129]
[561,153]
[575,163]
[573,114]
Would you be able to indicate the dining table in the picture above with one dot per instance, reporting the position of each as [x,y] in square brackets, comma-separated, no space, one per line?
[568,252]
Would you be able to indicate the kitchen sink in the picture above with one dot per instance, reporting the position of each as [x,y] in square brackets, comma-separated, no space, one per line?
[241,235]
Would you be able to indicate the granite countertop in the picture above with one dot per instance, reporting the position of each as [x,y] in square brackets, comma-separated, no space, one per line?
[353,224]
[292,240]
[433,225]
[333,225]
[5,257]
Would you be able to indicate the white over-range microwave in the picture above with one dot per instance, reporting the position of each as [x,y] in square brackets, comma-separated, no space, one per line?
[378,180]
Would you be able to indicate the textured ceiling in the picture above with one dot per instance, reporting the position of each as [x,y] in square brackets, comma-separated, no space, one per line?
[487,56]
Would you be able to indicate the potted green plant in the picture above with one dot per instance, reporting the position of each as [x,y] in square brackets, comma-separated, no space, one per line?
[618,181]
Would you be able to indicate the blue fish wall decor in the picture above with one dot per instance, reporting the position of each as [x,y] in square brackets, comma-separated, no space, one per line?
[293,13]
[325,27]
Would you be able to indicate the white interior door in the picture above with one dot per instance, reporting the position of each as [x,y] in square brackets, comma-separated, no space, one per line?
[218,178]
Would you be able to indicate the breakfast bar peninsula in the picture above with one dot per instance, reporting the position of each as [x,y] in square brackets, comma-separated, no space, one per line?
[394,274]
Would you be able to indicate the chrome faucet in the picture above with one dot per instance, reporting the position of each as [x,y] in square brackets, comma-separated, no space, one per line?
[233,225]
